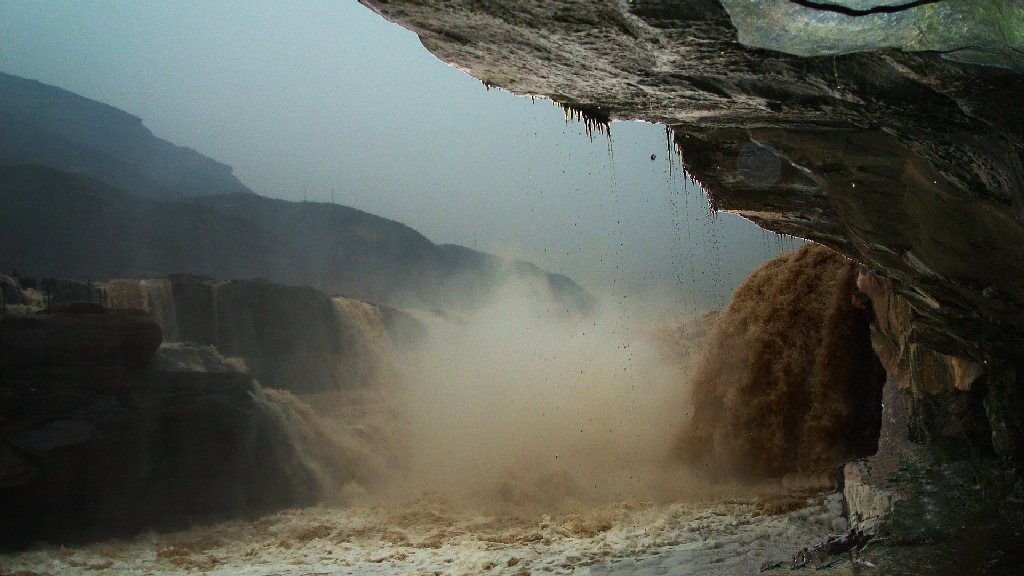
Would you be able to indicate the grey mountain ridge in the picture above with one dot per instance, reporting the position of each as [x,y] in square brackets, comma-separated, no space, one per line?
[89,193]
[42,124]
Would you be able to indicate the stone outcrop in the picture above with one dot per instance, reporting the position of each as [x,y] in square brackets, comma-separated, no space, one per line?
[102,433]
[291,338]
[89,337]
[904,161]
[975,31]
[121,413]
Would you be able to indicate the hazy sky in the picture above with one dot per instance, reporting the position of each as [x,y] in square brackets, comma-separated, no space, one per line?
[307,97]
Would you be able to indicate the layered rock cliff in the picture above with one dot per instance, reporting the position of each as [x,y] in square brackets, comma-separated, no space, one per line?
[101,434]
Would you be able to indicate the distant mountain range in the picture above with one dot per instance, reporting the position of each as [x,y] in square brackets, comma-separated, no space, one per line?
[42,124]
[87,192]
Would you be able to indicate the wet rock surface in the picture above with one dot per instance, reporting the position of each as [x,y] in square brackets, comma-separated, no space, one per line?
[982,32]
[102,433]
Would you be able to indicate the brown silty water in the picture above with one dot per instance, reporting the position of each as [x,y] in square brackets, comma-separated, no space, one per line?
[508,407]
[510,441]
[788,382]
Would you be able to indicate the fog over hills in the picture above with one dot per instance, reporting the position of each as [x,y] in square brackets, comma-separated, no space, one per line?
[42,124]
[89,193]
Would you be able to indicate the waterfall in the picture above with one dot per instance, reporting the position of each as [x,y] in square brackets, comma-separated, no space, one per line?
[369,355]
[788,382]
[155,297]
[161,306]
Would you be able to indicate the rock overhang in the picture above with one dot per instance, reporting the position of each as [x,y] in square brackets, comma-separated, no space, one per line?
[896,156]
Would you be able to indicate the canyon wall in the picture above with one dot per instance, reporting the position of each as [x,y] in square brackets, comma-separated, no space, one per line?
[291,338]
[162,403]
[104,433]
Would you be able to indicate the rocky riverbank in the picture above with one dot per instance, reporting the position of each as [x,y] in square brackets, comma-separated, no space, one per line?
[108,430]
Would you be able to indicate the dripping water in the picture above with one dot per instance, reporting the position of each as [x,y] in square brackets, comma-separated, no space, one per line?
[594,118]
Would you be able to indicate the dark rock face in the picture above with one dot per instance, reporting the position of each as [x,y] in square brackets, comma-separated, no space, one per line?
[171,450]
[869,195]
[41,124]
[291,338]
[113,337]
[99,438]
